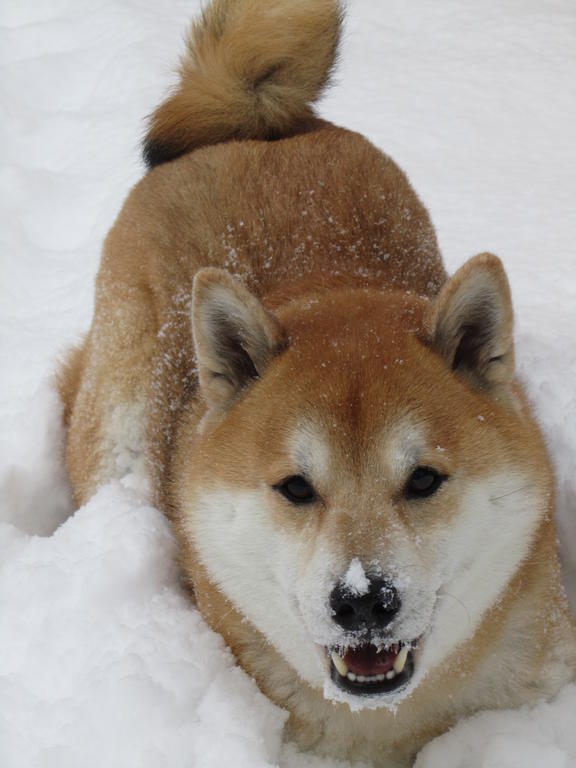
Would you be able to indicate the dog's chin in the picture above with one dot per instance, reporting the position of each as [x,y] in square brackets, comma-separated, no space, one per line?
[372,670]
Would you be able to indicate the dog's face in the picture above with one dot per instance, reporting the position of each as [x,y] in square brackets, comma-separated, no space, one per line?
[365,487]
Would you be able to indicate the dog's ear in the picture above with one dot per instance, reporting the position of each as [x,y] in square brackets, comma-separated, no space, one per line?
[235,337]
[470,324]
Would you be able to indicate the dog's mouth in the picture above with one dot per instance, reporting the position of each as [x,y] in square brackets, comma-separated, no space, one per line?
[368,670]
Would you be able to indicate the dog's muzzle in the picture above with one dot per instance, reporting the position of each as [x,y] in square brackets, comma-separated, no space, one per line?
[369,664]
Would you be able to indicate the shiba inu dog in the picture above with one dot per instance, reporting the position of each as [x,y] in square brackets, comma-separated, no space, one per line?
[362,498]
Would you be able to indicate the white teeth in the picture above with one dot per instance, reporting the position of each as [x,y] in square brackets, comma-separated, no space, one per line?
[400,660]
[339,663]
[341,667]
[390,675]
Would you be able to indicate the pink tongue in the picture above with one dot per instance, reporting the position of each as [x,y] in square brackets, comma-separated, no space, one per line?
[367,660]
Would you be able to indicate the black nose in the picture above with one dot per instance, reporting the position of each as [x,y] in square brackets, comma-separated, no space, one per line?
[373,610]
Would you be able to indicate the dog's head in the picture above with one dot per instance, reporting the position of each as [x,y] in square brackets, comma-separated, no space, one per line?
[365,479]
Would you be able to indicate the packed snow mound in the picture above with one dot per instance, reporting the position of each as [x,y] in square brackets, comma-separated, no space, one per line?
[542,738]
[103,659]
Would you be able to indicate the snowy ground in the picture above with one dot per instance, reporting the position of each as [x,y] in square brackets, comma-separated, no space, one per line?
[102,661]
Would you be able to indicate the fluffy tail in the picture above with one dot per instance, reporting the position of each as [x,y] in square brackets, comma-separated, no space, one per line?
[251,70]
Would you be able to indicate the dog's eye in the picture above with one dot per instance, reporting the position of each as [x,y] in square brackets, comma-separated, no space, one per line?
[297,490]
[423,482]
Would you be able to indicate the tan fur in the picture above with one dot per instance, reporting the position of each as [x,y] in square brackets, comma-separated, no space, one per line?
[334,221]
[344,319]
[239,452]
[251,70]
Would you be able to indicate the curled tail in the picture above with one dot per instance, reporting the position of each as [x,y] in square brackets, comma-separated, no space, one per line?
[251,70]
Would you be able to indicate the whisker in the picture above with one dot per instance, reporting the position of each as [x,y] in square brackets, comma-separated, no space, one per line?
[221,618]
[457,599]
[511,493]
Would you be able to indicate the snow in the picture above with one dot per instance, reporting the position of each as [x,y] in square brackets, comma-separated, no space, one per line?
[108,664]
[355,580]
[542,738]
[103,661]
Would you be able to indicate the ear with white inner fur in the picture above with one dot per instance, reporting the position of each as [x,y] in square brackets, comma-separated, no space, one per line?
[471,324]
[235,337]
